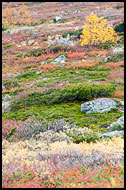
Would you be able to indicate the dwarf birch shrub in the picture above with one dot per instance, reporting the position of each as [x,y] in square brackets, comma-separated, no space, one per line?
[12,17]
[97,31]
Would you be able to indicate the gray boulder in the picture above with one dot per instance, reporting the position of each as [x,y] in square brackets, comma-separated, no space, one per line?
[60,59]
[100,105]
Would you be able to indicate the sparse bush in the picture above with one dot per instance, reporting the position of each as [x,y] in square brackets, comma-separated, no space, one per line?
[27,129]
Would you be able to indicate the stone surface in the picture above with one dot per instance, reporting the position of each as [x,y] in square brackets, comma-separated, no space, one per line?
[43,62]
[30,42]
[100,105]
[59,17]
[5,106]
[112,133]
[106,59]
[38,72]
[23,43]
[119,122]
[7,97]
[118,50]
[60,59]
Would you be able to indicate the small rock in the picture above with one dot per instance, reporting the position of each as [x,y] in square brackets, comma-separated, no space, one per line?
[30,42]
[18,45]
[118,50]
[5,105]
[7,96]
[75,11]
[57,18]
[60,59]
[23,43]
[31,85]
[53,62]
[43,62]
[38,72]
[106,59]
[45,79]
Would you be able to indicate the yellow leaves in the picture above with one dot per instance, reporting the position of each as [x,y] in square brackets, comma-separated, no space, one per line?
[12,16]
[95,31]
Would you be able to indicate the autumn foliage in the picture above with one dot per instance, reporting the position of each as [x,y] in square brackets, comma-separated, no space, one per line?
[97,31]
[14,17]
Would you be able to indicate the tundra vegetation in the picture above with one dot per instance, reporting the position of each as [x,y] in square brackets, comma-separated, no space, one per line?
[56,56]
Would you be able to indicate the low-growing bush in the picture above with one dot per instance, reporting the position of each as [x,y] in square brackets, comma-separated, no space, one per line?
[10,83]
[119,27]
[76,33]
[67,94]
[116,58]
[91,137]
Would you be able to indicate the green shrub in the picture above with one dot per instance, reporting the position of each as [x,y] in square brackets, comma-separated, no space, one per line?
[7,46]
[119,27]
[119,6]
[106,45]
[10,83]
[117,127]
[3,29]
[116,58]
[76,33]
[56,48]
[91,137]
[70,93]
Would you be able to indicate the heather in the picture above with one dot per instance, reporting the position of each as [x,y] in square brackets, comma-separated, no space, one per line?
[63,94]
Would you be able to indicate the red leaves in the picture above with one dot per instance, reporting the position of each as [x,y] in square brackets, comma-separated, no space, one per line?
[7,125]
[114,65]
[76,55]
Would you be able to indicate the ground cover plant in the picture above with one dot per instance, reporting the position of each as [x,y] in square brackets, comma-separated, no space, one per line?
[57,56]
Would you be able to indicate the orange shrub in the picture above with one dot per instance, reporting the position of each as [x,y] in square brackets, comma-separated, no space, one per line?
[48,67]
[119,94]
[114,65]
[81,66]
[76,55]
